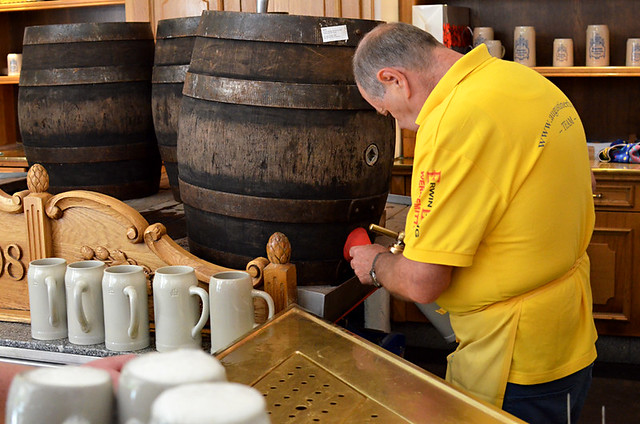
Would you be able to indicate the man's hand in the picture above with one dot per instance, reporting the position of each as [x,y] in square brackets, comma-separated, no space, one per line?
[362,259]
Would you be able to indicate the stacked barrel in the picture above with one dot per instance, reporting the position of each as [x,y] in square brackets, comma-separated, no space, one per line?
[84,107]
[262,129]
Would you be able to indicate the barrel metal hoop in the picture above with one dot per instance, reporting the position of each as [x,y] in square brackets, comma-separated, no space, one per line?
[298,211]
[184,27]
[80,76]
[87,32]
[273,93]
[169,74]
[91,154]
[294,29]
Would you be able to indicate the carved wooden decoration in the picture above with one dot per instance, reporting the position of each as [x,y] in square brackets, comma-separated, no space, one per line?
[78,225]
[280,275]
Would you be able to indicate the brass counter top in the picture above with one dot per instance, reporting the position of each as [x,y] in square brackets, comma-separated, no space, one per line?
[312,371]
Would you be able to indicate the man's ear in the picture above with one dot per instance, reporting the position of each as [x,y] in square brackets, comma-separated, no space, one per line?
[393,77]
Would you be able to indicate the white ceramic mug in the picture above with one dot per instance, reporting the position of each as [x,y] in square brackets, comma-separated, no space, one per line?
[14,63]
[495,47]
[83,286]
[47,305]
[176,309]
[482,34]
[597,45]
[144,378]
[126,308]
[563,52]
[231,296]
[524,45]
[204,403]
[633,52]
[66,394]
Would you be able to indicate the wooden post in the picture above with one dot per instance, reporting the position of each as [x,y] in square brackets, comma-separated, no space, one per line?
[37,221]
[280,275]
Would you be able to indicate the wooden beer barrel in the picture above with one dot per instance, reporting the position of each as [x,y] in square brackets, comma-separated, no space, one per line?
[84,107]
[174,43]
[275,137]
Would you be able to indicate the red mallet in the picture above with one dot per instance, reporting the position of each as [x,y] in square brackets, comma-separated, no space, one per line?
[357,237]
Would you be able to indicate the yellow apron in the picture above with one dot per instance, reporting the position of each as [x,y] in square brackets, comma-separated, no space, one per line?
[482,366]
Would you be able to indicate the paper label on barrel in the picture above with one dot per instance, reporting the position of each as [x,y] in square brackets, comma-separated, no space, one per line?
[334,33]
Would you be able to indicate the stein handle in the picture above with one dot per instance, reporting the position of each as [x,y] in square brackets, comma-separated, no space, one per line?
[81,287]
[50,282]
[202,293]
[131,293]
[267,298]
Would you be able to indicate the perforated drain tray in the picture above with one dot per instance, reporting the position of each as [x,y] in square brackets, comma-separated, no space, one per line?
[310,371]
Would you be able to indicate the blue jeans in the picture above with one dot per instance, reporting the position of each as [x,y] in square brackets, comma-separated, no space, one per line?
[546,403]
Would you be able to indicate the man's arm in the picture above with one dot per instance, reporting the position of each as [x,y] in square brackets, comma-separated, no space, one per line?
[409,280]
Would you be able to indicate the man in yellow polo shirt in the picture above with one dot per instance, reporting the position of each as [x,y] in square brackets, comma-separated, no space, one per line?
[501,216]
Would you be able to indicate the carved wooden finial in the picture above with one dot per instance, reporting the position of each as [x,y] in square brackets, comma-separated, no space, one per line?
[280,275]
[278,249]
[37,179]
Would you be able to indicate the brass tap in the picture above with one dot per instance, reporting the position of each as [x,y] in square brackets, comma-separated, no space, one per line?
[398,245]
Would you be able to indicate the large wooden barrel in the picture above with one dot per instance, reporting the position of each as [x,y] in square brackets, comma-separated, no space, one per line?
[174,43]
[275,137]
[84,107]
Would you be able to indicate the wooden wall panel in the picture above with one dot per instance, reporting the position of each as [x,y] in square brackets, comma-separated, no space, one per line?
[155,10]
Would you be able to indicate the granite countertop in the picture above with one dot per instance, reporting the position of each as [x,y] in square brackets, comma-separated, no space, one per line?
[17,345]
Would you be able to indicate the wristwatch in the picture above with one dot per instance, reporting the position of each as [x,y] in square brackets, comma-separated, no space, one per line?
[372,271]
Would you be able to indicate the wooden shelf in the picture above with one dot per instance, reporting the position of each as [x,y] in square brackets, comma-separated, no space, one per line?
[56,4]
[14,79]
[589,71]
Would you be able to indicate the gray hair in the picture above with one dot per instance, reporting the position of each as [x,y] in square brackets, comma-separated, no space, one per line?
[391,45]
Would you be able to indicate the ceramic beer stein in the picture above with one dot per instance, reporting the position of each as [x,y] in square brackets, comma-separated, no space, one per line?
[66,394]
[177,313]
[231,296]
[204,403]
[85,318]
[48,309]
[126,309]
[144,378]
[524,45]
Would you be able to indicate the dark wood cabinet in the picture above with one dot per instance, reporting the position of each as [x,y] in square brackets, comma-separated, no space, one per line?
[615,270]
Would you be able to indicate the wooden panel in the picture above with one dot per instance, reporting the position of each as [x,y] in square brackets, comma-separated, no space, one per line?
[619,195]
[8,115]
[610,255]
[608,106]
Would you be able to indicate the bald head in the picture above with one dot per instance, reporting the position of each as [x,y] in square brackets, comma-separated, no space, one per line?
[396,45]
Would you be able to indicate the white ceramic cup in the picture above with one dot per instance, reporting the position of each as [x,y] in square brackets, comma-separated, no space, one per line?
[14,63]
[563,52]
[126,308]
[633,52]
[66,394]
[231,296]
[495,47]
[524,45]
[47,305]
[204,403]
[482,34]
[178,316]
[83,287]
[144,378]
[597,45]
